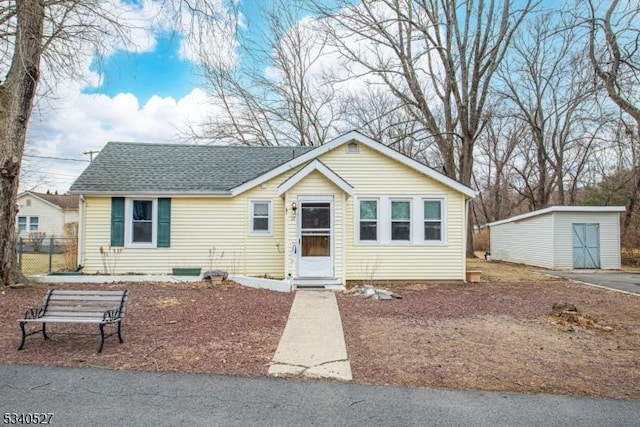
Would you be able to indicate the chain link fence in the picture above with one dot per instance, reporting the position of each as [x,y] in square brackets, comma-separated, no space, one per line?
[38,254]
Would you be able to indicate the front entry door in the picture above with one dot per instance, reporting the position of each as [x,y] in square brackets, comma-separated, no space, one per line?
[315,237]
[586,246]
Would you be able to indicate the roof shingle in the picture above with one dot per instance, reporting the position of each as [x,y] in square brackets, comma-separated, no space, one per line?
[142,167]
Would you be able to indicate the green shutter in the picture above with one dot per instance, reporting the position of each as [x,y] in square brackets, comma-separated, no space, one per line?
[117,221]
[164,223]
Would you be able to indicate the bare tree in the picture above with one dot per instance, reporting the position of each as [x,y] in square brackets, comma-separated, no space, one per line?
[614,52]
[278,91]
[547,83]
[16,102]
[496,162]
[37,35]
[437,57]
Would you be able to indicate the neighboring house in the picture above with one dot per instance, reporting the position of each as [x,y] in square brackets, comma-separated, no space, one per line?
[45,213]
[560,238]
[351,209]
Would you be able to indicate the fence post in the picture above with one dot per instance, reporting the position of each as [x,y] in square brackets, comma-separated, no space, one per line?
[50,252]
[20,250]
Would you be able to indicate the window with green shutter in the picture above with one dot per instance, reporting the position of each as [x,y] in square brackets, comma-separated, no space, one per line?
[164,223]
[117,221]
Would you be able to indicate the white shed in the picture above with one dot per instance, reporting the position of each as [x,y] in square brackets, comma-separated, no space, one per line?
[560,238]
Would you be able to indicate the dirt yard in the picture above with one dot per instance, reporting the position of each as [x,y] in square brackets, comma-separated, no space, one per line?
[497,335]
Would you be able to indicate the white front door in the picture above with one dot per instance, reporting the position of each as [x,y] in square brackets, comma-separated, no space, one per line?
[315,237]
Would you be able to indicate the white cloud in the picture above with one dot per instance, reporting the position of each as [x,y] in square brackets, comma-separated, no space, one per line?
[66,128]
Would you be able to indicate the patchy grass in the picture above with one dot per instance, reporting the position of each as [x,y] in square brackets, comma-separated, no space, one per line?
[499,271]
[38,263]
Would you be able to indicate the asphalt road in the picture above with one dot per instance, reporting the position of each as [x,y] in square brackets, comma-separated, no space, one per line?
[99,397]
[628,282]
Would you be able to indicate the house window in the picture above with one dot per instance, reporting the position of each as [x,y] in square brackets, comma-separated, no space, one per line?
[22,223]
[368,220]
[28,223]
[260,217]
[142,221]
[401,220]
[433,220]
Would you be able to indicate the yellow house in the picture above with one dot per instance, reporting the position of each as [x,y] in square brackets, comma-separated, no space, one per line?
[351,209]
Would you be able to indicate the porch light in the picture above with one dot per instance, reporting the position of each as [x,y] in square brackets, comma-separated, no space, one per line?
[294,207]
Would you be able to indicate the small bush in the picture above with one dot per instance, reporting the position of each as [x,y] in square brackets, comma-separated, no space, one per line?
[36,240]
[481,240]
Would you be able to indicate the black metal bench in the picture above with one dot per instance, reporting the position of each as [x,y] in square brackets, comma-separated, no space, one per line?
[99,307]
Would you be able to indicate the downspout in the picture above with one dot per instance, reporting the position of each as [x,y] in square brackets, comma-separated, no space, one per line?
[82,230]
[465,233]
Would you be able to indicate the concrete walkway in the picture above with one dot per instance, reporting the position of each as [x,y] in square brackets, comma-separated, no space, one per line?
[312,344]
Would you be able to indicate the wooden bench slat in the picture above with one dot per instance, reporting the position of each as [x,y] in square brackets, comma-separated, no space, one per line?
[87,292]
[60,313]
[81,304]
[77,306]
[66,320]
[85,298]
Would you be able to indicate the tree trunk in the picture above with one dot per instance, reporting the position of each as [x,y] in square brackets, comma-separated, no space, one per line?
[16,102]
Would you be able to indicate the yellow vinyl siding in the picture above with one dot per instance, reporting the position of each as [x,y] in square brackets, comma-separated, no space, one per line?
[198,224]
[201,223]
[373,174]
[316,184]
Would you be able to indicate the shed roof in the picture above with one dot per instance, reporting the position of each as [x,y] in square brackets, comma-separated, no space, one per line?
[552,209]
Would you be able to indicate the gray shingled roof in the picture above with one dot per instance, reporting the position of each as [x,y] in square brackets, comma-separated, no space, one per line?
[142,167]
[65,201]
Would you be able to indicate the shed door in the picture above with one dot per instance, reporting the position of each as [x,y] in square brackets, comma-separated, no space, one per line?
[586,246]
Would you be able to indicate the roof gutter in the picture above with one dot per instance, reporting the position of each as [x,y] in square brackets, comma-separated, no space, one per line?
[154,193]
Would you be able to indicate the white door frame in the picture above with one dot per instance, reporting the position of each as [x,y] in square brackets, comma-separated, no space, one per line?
[305,270]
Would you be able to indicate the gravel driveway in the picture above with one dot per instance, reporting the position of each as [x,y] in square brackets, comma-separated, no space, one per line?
[628,282]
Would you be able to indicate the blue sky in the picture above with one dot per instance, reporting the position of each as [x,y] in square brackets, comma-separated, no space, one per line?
[161,72]
[144,97]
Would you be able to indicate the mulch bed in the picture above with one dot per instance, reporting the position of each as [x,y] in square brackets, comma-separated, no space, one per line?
[497,336]
[487,336]
[188,327]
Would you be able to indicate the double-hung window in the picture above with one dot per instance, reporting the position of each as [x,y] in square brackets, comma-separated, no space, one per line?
[401,220]
[433,220]
[22,224]
[260,217]
[142,221]
[28,223]
[368,224]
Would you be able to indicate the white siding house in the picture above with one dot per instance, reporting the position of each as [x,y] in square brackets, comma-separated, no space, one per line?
[560,238]
[46,214]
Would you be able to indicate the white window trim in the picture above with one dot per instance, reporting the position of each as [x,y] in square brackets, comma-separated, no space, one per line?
[443,221]
[128,223]
[411,220]
[358,220]
[27,224]
[384,220]
[269,230]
